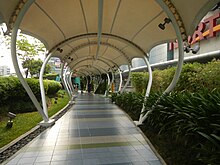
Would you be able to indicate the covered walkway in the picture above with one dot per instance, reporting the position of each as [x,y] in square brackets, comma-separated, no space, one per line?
[93,131]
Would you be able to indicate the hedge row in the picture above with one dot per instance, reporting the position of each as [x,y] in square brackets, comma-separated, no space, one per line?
[187,124]
[11,89]
[194,77]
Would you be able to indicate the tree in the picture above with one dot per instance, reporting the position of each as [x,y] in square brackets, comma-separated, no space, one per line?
[34,66]
[28,48]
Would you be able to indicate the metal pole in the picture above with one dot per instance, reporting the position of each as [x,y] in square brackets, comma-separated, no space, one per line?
[120,83]
[43,98]
[181,52]
[15,61]
[128,80]
[147,90]
[62,79]
[106,91]
[70,80]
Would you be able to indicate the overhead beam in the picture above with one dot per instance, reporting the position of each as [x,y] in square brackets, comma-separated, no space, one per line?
[104,35]
[99,35]
[78,47]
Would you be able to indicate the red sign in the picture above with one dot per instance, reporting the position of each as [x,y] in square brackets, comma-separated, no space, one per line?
[206,29]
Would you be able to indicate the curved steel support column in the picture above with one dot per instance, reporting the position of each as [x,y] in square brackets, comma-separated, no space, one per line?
[62,80]
[120,83]
[107,90]
[147,93]
[15,61]
[65,81]
[87,83]
[128,80]
[181,38]
[70,80]
[43,98]
[113,78]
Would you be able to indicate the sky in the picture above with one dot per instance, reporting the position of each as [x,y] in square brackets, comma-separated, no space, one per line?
[5,57]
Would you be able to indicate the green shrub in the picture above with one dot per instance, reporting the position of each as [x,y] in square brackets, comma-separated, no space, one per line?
[14,98]
[194,77]
[139,81]
[192,118]
[50,76]
[53,87]
[130,102]
[187,122]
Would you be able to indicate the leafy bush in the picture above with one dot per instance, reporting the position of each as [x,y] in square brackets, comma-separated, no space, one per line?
[53,87]
[194,77]
[50,76]
[14,97]
[187,122]
[192,117]
[130,102]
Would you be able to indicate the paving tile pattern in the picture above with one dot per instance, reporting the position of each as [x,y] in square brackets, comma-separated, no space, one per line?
[92,132]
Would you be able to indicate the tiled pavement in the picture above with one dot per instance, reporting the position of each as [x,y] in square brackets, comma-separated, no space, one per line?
[92,132]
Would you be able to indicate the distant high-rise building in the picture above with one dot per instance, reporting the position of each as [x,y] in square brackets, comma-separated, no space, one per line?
[4,70]
[55,64]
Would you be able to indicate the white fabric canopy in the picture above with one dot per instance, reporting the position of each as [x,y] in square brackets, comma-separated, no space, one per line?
[129,28]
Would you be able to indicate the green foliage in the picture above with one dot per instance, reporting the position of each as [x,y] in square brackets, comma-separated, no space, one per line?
[194,77]
[14,97]
[29,47]
[185,121]
[130,102]
[192,118]
[50,76]
[53,87]
[139,81]
[102,86]
[34,66]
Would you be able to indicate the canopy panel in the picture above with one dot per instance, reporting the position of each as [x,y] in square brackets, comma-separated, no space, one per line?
[129,28]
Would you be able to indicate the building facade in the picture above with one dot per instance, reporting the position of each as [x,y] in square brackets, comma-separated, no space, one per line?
[206,38]
[4,70]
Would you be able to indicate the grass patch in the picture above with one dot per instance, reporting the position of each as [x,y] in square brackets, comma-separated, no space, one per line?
[26,121]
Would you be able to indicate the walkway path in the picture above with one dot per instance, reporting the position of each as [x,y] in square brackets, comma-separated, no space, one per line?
[92,132]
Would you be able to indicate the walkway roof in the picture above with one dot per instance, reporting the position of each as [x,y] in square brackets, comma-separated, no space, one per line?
[126,28]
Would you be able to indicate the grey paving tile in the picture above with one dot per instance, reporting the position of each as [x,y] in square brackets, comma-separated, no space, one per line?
[59,157]
[30,154]
[74,157]
[42,163]
[59,163]
[75,162]
[74,151]
[26,161]
[92,121]
[90,161]
[140,163]
[43,159]
[155,162]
